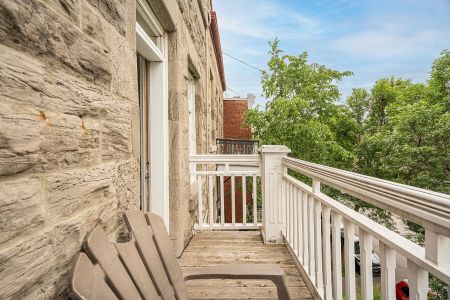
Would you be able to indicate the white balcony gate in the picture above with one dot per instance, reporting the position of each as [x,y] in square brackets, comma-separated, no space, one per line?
[211,172]
[310,222]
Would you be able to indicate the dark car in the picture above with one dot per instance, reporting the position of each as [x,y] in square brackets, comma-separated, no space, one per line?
[376,266]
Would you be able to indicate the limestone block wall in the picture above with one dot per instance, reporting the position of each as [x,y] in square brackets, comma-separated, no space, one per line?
[69,135]
[191,51]
[69,130]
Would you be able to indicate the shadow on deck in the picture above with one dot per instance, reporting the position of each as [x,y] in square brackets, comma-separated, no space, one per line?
[220,248]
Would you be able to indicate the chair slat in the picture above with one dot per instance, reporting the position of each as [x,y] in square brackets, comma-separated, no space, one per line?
[167,255]
[88,281]
[149,253]
[136,268]
[99,249]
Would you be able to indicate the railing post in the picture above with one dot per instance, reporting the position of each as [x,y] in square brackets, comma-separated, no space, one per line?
[271,178]
[437,247]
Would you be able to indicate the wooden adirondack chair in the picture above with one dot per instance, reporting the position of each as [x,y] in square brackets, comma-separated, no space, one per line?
[146,267]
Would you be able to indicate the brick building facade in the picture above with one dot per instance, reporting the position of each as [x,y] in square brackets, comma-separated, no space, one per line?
[233,118]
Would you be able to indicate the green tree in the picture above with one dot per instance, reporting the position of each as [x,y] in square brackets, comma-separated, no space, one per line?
[399,130]
[304,113]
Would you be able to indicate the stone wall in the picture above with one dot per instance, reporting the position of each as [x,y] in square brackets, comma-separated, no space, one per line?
[188,54]
[69,130]
[68,116]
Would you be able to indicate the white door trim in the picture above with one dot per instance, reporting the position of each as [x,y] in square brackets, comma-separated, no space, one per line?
[158,201]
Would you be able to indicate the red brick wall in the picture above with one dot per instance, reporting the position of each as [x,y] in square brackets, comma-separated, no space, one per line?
[238,200]
[233,118]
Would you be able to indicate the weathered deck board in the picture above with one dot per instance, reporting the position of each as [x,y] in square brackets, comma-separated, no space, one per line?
[219,248]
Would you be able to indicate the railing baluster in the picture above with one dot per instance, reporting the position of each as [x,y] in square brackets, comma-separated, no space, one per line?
[291,215]
[255,208]
[233,201]
[311,242]
[222,201]
[297,222]
[288,197]
[244,200]
[271,204]
[300,224]
[417,282]
[283,202]
[337,263]
[318,245]
[326,252]
[294,220]
[200,200]
[305,238]
[280,205]
[365,245]
[349,260]
[211,203]
[388,261]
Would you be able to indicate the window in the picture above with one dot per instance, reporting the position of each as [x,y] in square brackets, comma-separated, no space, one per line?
[192,127]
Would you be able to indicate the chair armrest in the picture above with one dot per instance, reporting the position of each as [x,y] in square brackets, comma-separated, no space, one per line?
[242,271]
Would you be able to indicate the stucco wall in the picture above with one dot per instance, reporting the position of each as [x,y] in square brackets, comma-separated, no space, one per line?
[69,135]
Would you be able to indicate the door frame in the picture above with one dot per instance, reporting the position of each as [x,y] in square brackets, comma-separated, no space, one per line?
[158,112]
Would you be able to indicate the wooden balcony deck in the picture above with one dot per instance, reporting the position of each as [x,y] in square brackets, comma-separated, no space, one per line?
[220,248]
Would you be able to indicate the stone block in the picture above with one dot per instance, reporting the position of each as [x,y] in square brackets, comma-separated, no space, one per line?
[28,81]
[114,11]
[123,67]
[174,108]
[67,8]
[21,208]
[38,141]
[93,24]
[25,266]
[131,32]
[135,131]
[127,186]
[33,27]
[76,190]
[115,140]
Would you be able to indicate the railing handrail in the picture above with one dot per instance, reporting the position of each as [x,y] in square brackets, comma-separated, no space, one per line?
[403,246]
[250,141]
[430,209]
[225,158]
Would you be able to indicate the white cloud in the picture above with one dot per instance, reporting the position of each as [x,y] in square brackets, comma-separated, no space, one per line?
[375,39]
[264,20]
[376,44]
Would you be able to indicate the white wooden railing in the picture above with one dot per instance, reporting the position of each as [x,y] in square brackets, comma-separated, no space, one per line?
[310,222]
[313,230]
[211,172]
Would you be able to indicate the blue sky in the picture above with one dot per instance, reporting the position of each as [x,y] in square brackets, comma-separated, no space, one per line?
[374,39]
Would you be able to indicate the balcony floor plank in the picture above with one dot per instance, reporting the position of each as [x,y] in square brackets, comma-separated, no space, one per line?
[219,248]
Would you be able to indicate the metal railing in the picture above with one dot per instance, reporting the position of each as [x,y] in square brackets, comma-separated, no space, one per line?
[236,146]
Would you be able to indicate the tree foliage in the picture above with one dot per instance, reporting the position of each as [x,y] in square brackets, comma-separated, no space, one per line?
[398,130]
[304,114]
